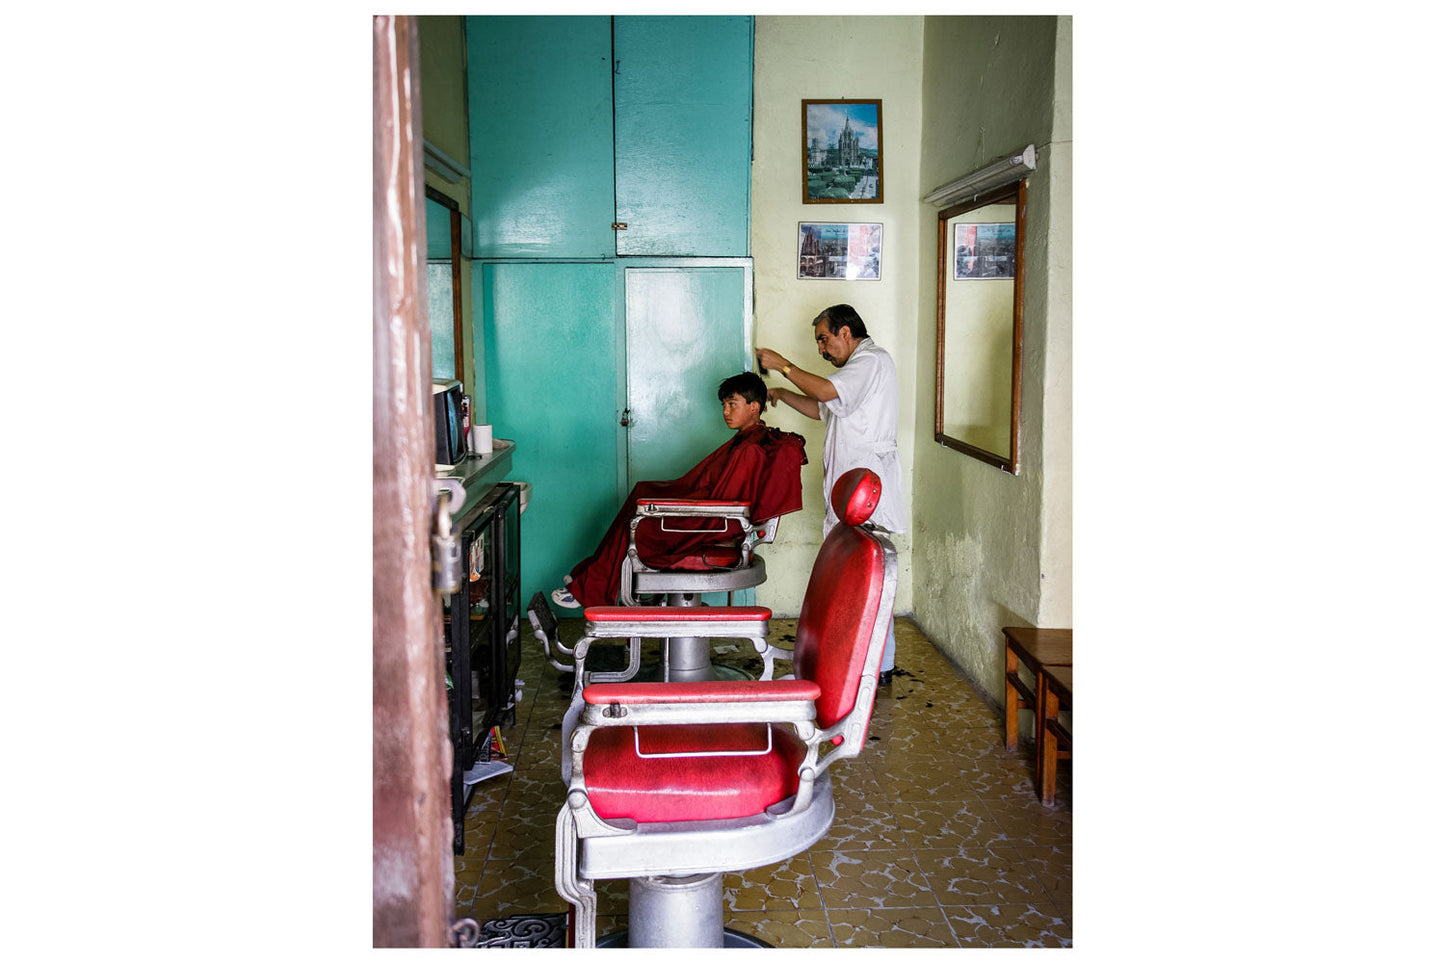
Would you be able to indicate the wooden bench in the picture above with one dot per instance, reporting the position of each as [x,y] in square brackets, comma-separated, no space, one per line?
[1057,686]
[1034,649]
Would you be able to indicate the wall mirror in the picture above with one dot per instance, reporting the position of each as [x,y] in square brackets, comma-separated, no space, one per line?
[980,326]
[444,283]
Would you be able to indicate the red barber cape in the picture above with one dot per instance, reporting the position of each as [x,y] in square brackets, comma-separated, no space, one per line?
[760,465]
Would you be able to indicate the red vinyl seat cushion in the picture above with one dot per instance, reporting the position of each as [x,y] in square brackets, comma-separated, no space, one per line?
[709,558]
[656,788]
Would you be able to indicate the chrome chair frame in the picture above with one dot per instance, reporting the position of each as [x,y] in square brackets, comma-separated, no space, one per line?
[667,862]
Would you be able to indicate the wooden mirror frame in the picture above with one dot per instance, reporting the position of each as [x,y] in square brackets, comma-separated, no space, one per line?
[1015,193]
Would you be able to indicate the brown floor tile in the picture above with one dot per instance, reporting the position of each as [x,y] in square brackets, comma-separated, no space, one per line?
[1031,823]
[1053,867]
[893,928]
[861,823]
[529,834]
[532,792]
[1009,925]
[948,825]
[854,777]
[784,929]
[612,896]
[920,783]
[995,874]
[789,885]
[513,886]
[468,873]
[889,879]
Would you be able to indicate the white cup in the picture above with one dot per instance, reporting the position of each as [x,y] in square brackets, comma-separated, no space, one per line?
[480,439]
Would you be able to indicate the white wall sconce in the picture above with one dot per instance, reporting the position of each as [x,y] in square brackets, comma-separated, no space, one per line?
[1012,168]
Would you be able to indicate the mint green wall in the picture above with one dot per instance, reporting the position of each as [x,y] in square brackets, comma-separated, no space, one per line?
[993,549]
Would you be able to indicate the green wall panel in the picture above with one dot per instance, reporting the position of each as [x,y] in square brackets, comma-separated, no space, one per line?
[683,91]
[540,93]
[552,386]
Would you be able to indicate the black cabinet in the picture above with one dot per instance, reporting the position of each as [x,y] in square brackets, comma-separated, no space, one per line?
[482,627]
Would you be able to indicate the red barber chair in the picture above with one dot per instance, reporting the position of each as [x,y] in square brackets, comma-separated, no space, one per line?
[727,565]
[672,784]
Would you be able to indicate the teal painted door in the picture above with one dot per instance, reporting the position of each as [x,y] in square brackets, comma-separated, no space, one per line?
[552,385]
[686,332]
[682,88]
[540,106]
[688,327]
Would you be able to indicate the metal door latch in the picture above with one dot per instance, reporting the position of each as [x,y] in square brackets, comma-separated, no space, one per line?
[446,548]
[619,225]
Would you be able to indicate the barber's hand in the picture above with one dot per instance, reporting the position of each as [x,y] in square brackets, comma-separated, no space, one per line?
[773,396]
[770,359]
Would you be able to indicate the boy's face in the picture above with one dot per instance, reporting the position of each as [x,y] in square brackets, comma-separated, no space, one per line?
[739,413]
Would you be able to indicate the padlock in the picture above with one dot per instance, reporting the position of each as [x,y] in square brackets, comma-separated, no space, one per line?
[446,554]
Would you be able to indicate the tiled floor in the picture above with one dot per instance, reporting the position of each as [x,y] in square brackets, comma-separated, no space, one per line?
[939,839]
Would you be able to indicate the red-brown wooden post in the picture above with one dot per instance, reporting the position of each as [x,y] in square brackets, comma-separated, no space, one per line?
[412,870]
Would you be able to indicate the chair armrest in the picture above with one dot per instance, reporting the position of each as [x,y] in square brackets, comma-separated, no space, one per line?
[692,703]
[661,509]
[643,614]
[662,622]
[667,693]
[699,507]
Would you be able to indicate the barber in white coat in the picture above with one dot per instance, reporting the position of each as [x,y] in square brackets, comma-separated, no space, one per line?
[859,410]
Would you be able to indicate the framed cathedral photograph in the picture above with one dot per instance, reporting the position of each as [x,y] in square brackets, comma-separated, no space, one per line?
[842,152]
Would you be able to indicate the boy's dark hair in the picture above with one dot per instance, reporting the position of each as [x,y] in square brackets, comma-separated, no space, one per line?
[840,314]
[747,384]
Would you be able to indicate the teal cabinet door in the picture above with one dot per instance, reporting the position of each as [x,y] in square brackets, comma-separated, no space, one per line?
[540,108]
[683,93]
[686,332]
[552,386]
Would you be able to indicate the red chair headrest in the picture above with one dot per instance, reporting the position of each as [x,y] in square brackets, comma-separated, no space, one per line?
[855,495]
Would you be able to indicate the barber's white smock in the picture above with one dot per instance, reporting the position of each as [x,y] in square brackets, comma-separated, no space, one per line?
[861,431]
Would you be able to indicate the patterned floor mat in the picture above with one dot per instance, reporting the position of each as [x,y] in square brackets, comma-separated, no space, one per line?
[542,931]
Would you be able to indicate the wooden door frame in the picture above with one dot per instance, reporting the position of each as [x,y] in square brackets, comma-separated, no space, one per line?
[413,877]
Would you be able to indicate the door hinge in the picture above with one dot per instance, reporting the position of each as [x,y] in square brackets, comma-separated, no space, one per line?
[619,225]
